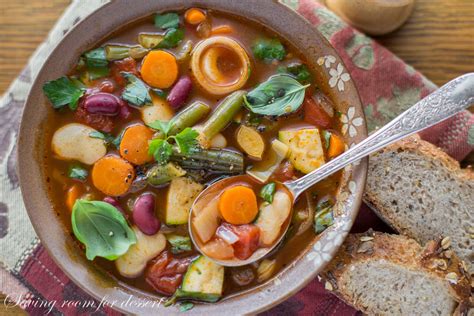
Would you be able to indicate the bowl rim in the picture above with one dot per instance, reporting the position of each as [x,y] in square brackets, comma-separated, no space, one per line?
[30,173]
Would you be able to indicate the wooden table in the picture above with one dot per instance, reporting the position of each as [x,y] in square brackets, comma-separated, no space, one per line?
[437,39]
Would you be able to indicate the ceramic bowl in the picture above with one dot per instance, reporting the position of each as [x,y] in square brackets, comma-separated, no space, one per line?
[64,249]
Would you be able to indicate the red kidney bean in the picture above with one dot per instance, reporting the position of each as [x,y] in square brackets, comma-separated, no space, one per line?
[115,203]
[102,103]
[144,214]
[180,92]
[124,112]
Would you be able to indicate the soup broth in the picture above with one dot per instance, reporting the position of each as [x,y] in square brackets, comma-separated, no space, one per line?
[137,135]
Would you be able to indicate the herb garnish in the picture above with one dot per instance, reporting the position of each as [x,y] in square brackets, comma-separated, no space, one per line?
[78,172]
[102,229]
[167,20]
[172,38]
[299,71]
[268,191]
[161,148]
[279,95]
[135,92]
[269,49]
[62,92]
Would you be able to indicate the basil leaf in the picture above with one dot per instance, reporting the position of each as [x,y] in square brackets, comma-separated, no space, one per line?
[179,243]
[172,38]
[135,92]
[102,229]
[94,73]
[268,191]
[167,20]
[62,92]
[187,141]
[327,138]
[269,49]
[279,95]
[299,71]
[77,172]
[117,140]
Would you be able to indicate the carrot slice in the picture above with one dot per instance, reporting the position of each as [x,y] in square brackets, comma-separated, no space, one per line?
[134,144]
[112,175]
[194,16]
[238,205]
[159,69]
[72,194]
[223,29]
[336,146]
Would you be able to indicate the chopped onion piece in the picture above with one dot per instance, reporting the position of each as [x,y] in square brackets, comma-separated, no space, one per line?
[227,235]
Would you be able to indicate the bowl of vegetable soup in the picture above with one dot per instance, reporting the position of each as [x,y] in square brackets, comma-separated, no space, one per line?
[140,108]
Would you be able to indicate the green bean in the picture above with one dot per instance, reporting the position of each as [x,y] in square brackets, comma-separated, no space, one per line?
[222,116]
[189,116]
[211,160]
[161,174]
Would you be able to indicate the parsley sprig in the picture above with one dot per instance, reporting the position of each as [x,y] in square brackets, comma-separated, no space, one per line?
[162,148]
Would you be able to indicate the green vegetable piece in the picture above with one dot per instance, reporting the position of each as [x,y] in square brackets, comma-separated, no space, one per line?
[96,58]
[149,40]
[167,20]
[106,137]
[268,191]
[161,93]
[77,172]
[102,229]
[189,116]
[116,52]
[185,306]
[94,73]
[323,217]
[184,52]
[136,92]
[297,70]
[161,150]
[269,49]
[279,95]
[327,138]
[162,174]
[222,115]
[214,161]
[179,243]
[172,38]
[62,92]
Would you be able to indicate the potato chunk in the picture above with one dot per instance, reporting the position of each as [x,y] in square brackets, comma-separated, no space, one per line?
[73,142]
[134,261]
[306,150]
[180,198]
[160,110]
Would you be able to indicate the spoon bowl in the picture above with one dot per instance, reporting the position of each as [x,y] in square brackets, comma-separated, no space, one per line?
[445,102]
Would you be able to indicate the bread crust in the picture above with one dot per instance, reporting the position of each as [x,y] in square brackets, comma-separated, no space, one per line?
[404,252]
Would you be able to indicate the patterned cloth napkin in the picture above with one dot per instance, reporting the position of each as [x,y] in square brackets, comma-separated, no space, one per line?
[387,86]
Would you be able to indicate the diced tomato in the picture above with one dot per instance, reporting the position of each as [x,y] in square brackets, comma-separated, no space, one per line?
[166,273]
[249,236]
[126,65]
[98,121]
[314,112]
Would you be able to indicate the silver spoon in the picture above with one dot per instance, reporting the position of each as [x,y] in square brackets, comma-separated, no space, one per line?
[445,102]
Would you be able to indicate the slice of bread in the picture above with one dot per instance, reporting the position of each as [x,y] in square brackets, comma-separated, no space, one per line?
[383,274]
[422,193]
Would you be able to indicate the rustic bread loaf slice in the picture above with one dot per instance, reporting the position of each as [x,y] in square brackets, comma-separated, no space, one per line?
[383,274]
[421,192]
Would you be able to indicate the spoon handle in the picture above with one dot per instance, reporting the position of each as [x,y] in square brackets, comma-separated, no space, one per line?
[445,102]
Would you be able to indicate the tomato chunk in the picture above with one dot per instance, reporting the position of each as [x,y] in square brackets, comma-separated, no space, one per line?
[314,112]
[248,242]
[166,273]
[126,65]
